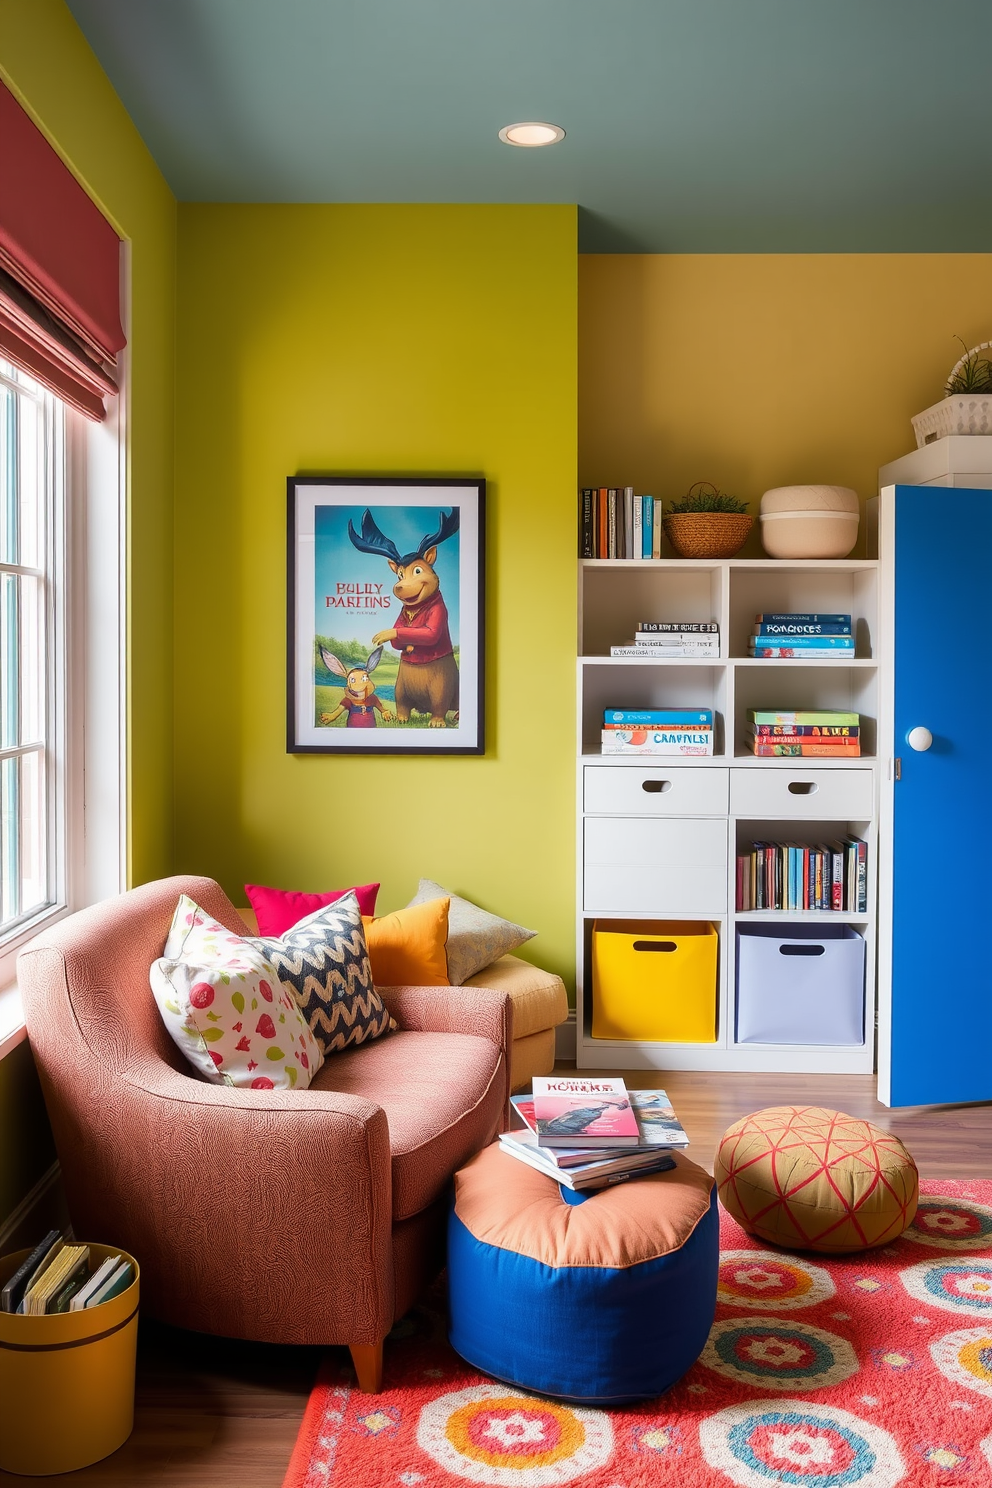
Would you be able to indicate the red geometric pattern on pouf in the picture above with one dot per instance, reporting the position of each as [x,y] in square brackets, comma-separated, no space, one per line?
[810,1179]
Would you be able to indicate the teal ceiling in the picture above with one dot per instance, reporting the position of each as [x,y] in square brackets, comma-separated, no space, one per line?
[692,125]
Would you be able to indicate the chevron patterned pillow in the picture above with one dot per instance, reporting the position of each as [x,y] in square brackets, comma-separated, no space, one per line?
[324,962]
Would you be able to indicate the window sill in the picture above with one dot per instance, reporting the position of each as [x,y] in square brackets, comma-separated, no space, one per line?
[12,1029]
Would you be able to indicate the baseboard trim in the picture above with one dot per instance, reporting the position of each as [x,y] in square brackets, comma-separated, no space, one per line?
[565,1038]
[26,1223]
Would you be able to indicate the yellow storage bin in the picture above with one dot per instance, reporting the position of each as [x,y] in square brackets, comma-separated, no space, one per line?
[654,980]
[67,1381]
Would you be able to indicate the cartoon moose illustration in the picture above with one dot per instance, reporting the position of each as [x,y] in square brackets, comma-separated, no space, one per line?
[359,700]
[427,680]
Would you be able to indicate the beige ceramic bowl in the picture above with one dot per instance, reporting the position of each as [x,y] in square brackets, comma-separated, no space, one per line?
[809,521]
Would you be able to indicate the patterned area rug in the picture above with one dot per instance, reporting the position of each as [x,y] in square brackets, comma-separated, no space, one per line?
[861,1372]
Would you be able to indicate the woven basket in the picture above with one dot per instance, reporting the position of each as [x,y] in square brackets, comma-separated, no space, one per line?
[707,534]
[961,413]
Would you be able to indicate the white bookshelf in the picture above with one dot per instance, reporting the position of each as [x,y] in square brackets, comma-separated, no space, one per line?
[733,797]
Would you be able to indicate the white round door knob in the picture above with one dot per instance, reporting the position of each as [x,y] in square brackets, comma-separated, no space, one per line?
[919,738]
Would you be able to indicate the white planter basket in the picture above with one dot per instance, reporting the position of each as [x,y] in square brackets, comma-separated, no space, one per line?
[963,413]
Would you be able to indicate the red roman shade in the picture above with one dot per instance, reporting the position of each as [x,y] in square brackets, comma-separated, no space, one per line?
[59,269]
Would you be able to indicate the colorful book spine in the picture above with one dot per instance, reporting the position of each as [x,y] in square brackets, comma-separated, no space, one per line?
[637,525]
[807,730]
[647,525]
[801,715]
[603,522]
[801,619]
[821,749]
[656,529]
[797,653]
[657,717]
[657,741]
[800,629]
[806,642]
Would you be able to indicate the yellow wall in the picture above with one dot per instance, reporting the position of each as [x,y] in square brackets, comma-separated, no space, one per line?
[377,339]
[48,65]
[46,62]
[757,370]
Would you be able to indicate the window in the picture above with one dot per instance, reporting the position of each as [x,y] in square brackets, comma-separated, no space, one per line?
[32,670]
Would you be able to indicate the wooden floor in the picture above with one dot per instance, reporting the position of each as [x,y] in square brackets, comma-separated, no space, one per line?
[212,1413]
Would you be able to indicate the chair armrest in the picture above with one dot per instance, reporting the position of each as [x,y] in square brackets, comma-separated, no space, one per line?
[253,1214]
[287,1189]
[478,1011]
[481,1011]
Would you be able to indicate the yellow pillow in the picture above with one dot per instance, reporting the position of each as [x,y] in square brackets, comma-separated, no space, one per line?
[406,948]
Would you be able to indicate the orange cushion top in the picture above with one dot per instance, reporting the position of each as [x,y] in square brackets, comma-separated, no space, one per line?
[406,948]
[505,1203]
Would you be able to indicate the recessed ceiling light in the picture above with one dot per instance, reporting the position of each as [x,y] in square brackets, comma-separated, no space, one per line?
[531,135]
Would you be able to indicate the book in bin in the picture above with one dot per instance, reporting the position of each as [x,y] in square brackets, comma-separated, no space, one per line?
[570,1111]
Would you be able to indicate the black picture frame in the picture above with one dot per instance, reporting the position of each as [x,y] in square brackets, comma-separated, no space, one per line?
[352,541]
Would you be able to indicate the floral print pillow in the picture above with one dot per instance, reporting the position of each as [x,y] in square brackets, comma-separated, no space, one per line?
[223,1004]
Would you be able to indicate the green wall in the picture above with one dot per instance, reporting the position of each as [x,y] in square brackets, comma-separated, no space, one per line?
[377,339]
[48,65]
[46,62]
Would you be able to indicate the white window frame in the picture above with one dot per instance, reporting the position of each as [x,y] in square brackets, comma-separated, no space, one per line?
[88,715]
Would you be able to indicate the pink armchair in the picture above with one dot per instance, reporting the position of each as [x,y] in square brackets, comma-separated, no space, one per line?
[305,1216]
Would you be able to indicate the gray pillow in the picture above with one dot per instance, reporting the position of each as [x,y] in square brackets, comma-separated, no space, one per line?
[475,937]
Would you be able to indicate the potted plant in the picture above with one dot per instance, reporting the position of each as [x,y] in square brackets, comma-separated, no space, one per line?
[966,407]
[707,523]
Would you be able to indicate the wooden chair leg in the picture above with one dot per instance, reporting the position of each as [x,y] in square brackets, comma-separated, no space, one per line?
[367,1359]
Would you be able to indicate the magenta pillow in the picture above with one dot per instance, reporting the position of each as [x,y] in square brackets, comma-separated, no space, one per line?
[278,910]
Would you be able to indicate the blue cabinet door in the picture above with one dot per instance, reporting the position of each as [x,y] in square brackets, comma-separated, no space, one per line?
[941,993]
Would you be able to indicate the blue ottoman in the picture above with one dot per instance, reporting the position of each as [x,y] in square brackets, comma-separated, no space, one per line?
[606,1301]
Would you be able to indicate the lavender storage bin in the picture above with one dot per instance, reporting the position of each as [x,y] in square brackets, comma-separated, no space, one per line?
[800,984]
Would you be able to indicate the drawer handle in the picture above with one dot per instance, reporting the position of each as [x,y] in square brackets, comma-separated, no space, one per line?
[656,787]
[801,950]
[655,945]
[803,787]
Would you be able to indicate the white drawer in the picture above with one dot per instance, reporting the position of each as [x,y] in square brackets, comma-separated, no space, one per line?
[656,790]
[814,794]
[662,868]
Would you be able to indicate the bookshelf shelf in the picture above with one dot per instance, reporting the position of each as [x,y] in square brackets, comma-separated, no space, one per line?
[614,595]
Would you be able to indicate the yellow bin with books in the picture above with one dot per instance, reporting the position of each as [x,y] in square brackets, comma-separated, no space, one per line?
[67,1380]
[654,980]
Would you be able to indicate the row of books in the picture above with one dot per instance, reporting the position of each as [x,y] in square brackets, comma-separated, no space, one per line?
[675,640]
[56,1277]
[794,876]
[593,1133]
[809,733]
[649,731]
[812,637]
[614,523]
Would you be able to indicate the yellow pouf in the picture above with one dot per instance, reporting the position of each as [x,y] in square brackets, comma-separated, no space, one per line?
[810,1179]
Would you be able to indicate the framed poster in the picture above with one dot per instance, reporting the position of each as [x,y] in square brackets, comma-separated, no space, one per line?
[385,630]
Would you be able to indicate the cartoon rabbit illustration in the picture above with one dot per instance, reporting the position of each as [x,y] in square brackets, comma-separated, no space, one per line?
[359,700]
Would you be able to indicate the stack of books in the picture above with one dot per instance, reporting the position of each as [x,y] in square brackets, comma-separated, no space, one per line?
[804,734]
[672,640]
[791,876]
[56,1277]
[646,731]
[614,523]
[802,637]
[592,1133]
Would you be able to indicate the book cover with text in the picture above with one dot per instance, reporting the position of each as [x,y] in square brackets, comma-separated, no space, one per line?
[570,1111]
